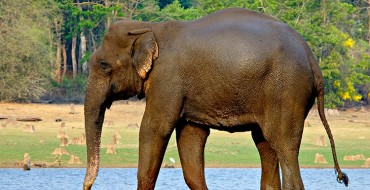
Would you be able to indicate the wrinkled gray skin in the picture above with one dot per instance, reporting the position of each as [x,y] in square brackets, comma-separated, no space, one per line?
[233,70]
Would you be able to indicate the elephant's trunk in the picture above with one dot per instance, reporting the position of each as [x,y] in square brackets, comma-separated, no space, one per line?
[95,106]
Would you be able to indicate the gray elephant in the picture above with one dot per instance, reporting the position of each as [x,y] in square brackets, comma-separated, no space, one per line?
[234,70]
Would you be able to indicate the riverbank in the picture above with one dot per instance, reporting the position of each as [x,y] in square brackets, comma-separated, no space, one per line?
[351,131]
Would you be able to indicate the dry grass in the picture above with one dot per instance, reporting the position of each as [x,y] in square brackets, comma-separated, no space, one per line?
[351,131]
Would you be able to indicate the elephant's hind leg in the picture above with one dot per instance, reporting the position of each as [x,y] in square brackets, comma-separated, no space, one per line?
[191,141]
[286,140]
[288,160]
[270,178]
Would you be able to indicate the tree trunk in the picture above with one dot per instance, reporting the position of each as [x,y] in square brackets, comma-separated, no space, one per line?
[51,43]
[92,40]
[368,24]
[323,11]
[82,47]
[57,72]
[73,55]
[107,4]
[64,52]
[82,52]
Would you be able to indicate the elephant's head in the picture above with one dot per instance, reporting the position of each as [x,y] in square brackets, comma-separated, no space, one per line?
[117,71]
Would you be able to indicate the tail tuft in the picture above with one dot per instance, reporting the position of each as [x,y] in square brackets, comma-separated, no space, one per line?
[343,178]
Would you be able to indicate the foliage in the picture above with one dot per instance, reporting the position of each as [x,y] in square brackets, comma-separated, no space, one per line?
[70,90]
[336,30]
[328,32]
[175,11]
[333,29]
[184,3]
[75,88]
[25,53]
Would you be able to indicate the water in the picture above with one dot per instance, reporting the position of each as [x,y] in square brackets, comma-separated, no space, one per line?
[125,178]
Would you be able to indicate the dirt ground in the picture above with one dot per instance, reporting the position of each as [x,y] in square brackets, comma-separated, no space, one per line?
[120,111]
[132,112]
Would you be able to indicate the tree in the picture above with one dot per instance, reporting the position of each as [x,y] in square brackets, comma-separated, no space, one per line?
[58,75]
[184,3]
[333,40]
[175,11]
[25,56]
[69,31]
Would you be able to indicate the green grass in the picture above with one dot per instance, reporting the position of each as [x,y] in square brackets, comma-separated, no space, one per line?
[222,150]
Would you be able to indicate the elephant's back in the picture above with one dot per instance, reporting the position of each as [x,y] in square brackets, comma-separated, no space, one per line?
[251,22]
[241,61]
[234,14]
[243,43]
[239,32]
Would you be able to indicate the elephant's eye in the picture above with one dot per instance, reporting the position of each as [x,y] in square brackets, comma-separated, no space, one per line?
[105,66]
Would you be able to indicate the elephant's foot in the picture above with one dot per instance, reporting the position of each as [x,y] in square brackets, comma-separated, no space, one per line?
[146,183]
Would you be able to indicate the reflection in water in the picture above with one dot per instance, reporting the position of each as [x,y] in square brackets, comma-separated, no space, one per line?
[125,178]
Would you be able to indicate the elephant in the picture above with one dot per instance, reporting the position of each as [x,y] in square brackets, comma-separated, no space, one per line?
[234,70]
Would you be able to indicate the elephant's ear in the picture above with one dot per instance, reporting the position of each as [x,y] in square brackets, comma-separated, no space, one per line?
[144,51]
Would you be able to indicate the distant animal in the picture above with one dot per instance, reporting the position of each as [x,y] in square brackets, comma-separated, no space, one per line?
[234,70]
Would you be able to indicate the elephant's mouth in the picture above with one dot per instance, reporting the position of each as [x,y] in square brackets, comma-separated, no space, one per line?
[107,103]
[118,96]
[115,94]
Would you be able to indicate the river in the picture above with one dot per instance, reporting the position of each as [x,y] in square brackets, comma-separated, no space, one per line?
[125,178]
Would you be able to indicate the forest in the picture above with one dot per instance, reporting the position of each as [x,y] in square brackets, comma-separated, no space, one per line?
[46,44]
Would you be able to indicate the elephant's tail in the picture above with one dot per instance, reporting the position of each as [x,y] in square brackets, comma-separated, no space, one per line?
[342,177]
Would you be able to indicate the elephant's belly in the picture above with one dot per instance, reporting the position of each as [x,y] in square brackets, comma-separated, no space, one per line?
[226,121]
[224,110]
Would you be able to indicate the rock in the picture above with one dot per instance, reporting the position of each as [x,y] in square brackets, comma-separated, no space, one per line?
[366,164]
[109,123]
[60,151]
[111,149]
[168,165]
[62,125]
[132,126]
[307,124]
[72,109]
[321,141]
[74,160]
[320,159]
[354,157]
[62,134]
[29,128]
[63,141]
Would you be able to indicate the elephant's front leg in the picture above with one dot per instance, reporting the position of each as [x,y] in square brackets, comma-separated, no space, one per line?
[191,141]
[156,128]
